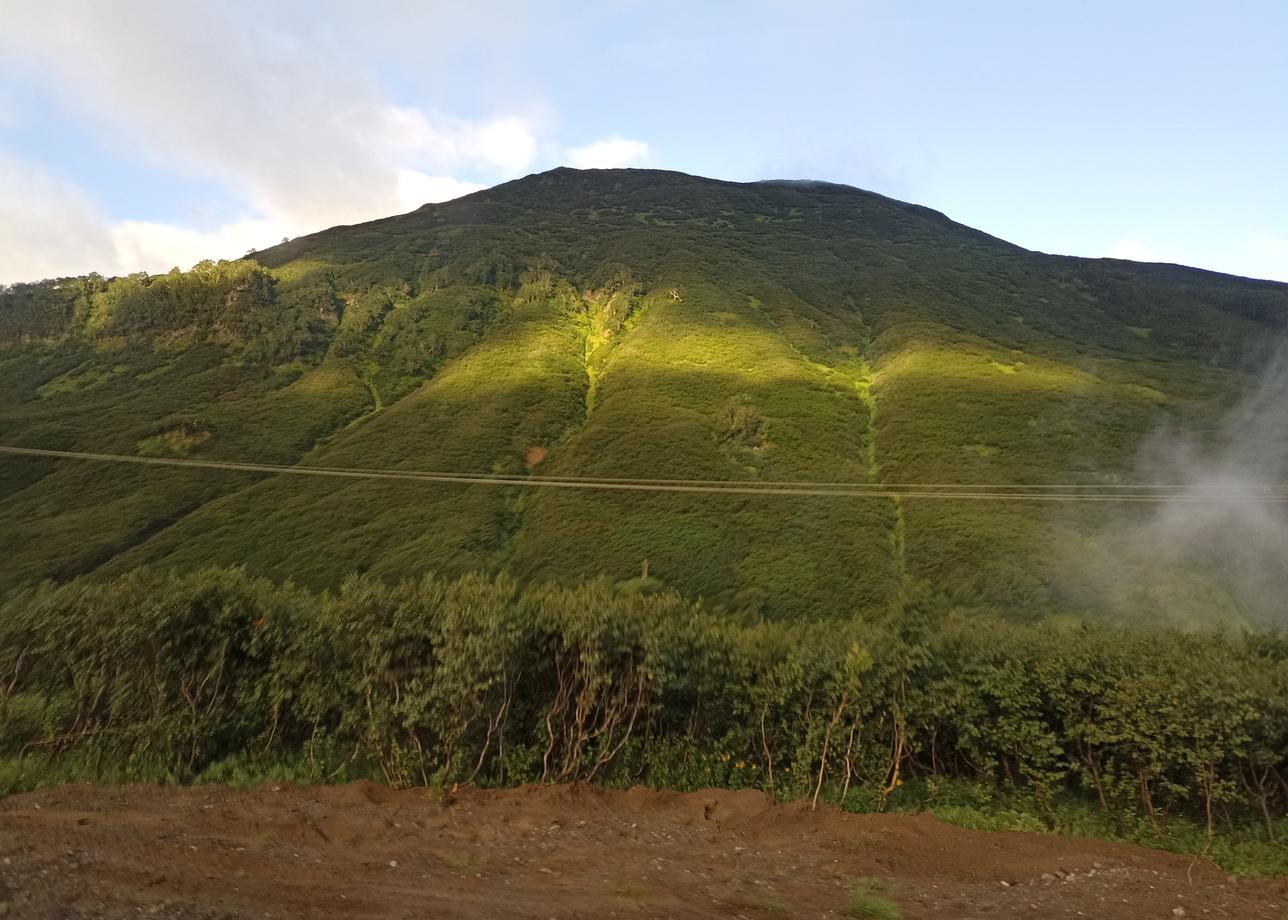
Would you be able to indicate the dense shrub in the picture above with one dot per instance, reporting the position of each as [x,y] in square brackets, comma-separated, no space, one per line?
[444,681]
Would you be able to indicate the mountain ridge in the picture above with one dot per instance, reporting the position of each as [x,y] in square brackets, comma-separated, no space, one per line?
[627,323]
[790,183]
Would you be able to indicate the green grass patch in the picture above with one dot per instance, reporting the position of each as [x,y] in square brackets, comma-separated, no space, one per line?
[868,901]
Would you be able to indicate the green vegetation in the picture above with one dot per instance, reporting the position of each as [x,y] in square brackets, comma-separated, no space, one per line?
[867,903]
[616,323]
[1174,739]
[184,624]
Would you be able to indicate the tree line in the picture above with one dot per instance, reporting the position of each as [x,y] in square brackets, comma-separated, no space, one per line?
[233,302]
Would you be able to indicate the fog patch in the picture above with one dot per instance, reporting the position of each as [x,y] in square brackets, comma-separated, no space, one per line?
[1214,550]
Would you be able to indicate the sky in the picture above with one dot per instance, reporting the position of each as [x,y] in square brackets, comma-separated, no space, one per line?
[137,135]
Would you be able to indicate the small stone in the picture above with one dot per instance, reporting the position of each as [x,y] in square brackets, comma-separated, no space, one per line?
[393,864]
[1005,884]
[1048,877]
[1178,911]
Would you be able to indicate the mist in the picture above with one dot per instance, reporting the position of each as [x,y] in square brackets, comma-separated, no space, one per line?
[1215,551]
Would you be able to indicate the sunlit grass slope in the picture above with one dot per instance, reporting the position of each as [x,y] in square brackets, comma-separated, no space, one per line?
[707,386]
[518,389]
[623,323]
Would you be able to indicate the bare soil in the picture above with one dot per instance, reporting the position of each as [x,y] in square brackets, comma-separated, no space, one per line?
[568,852]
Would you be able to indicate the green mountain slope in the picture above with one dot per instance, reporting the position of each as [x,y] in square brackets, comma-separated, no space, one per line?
[615,323]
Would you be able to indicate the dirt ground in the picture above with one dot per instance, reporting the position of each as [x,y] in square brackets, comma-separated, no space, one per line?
[561,852]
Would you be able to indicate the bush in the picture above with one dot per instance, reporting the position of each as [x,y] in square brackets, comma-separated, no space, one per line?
[220,676]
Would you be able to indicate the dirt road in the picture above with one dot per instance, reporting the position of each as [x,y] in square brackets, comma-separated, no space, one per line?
[562,852]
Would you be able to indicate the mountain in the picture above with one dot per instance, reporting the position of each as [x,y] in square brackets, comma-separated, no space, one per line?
[628,324]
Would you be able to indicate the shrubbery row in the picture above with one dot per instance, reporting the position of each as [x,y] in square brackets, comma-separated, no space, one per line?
[476,680]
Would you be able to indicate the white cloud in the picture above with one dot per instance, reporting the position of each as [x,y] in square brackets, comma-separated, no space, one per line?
[1136,251]
[154,247]
[506,144]
[1269,257]
[612,153]
[260,115]
[416,188]
[277,109]
[284,120]
[48,227]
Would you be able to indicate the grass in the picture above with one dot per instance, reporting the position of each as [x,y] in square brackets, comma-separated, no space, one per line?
[201,403]
[484,411]
[867,902]
[816,333]
[1241,848]
[85,377]
[177,442]
[692,390]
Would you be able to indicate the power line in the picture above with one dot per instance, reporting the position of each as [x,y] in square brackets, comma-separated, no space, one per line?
[840,484]
[961,491]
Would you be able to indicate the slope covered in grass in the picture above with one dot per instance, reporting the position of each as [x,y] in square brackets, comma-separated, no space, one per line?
[616,323]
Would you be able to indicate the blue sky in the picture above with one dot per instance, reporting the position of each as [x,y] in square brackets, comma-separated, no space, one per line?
[141,134]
